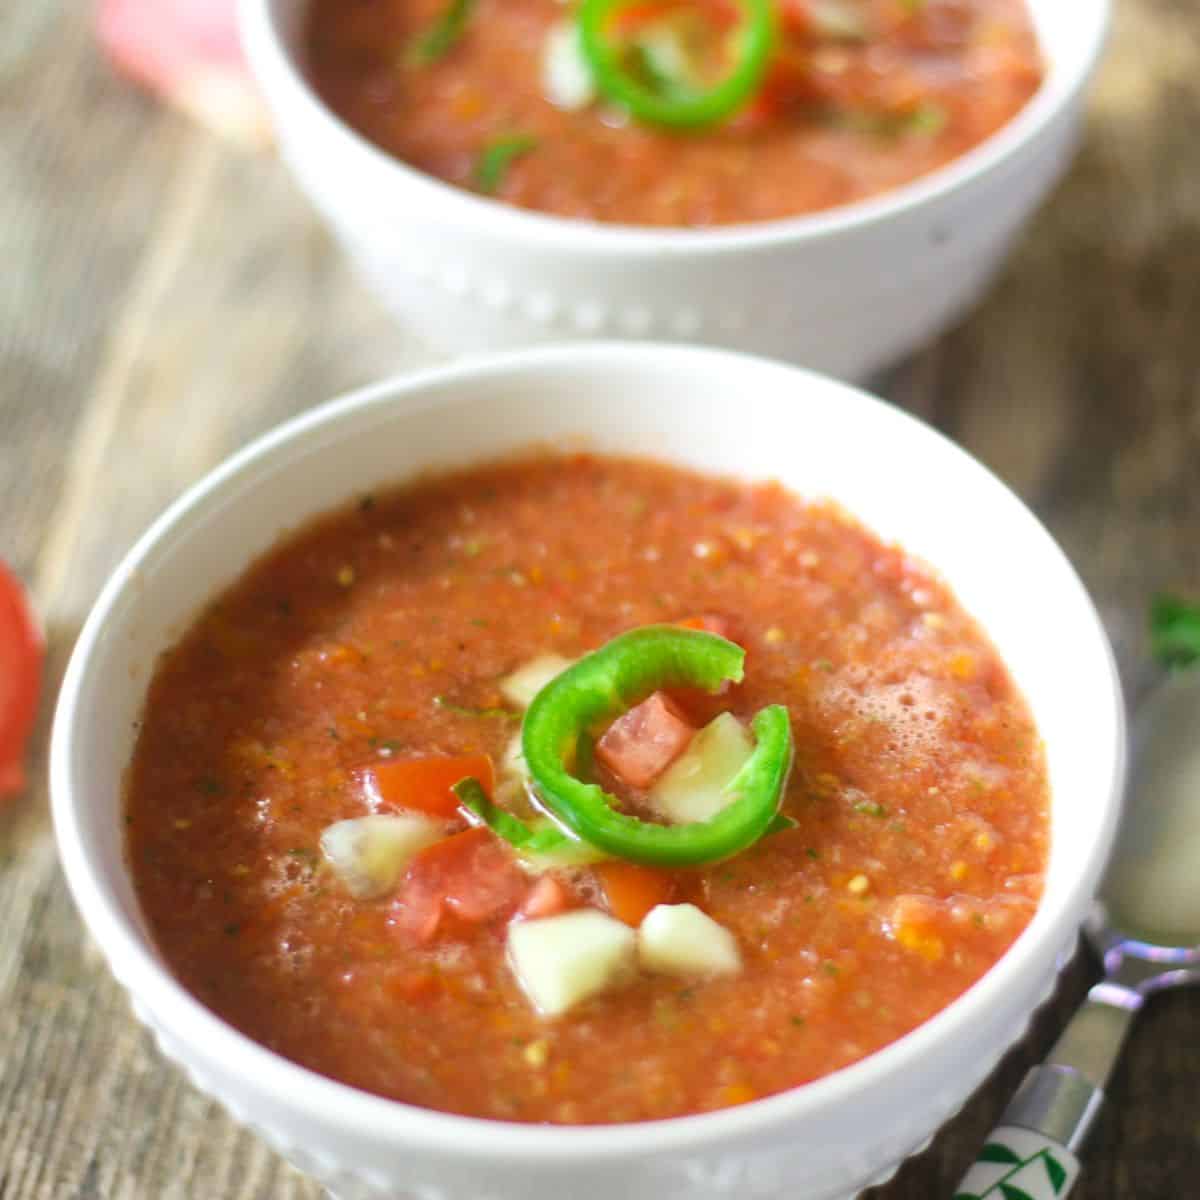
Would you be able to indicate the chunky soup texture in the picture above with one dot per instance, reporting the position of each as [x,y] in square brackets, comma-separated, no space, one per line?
[919,789]
[858,97]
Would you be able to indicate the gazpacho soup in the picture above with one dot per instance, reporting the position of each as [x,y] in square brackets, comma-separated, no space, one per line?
[675,112]
[581,789]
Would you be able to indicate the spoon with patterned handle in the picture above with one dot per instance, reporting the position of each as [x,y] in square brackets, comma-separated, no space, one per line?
[1145,927]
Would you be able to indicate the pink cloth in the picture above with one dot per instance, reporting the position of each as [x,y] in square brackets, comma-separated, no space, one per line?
[188,52]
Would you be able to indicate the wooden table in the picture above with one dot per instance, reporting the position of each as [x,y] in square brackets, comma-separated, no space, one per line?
[163,299]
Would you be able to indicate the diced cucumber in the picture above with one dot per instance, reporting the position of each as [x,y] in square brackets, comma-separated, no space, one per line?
[693,787]
[567,80]
[368,854]
[562,960]
[679,939]
[525,682]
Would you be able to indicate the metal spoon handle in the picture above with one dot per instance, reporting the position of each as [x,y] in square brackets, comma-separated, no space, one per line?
[1032,1153]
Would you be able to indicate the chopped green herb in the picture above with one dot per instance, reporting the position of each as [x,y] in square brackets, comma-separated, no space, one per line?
[232,929]
[210,785]
[333,733]
[436,41]
[391,745]
[464,710]
[798,1022]
[812,852]
[665,1014]
[367,503]
[870,808]
[1174,631]
[497,157]
[479,621]
[928,119]
[831,968]
[823,664]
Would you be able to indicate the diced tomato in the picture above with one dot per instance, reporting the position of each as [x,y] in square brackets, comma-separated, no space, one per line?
[633,890]
[21,650]
[417,909]
[415,987]
[641,744]
[423,784]
[469,875]
[547,898]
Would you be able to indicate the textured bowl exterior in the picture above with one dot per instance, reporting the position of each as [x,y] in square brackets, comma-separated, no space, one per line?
[845,292]
[711,410]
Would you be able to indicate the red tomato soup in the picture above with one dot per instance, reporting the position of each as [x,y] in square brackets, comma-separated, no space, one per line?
[384,653]
[675,112]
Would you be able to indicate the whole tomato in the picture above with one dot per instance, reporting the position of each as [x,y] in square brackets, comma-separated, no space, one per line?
[21,652]
[188,52]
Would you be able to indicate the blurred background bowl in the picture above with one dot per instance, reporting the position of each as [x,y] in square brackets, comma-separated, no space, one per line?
[847,291]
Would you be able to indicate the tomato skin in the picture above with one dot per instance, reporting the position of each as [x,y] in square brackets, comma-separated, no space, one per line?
[633,890]
[642,743]
[469,875]
[22,649]
[422,783]
[547,898]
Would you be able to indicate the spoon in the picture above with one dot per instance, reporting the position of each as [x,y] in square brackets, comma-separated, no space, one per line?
[1145,927]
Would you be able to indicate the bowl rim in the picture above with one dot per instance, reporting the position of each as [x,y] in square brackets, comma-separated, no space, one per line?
[285,85]
[138,967]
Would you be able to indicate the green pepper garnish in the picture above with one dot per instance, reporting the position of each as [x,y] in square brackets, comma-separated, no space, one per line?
[681,105]
[543,840]
[497,157]
[575,705]
[437,40]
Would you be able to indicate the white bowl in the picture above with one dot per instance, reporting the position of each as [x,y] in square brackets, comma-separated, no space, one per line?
[846,291]
[713,410]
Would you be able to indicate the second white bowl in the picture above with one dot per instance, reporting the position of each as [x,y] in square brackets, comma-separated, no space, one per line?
[847,291]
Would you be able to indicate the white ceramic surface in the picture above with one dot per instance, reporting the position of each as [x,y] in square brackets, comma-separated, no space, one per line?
[847,291]
[713,410]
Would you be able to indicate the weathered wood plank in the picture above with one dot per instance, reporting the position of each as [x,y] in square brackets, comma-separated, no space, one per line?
[164,300]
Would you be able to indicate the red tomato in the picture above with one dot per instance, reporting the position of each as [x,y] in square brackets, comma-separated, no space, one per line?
[640,745]
[470,875]
[423,783]
[633,890]
[547,898]
[21,649]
